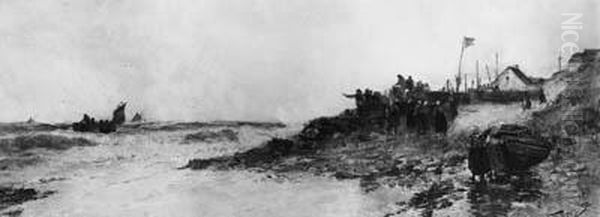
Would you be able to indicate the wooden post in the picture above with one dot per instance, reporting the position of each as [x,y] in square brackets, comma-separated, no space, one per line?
[559,62]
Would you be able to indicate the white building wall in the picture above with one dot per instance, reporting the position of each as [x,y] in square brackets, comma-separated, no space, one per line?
[509,81]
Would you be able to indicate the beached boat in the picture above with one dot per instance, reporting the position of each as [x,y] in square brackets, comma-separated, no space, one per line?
[510,148]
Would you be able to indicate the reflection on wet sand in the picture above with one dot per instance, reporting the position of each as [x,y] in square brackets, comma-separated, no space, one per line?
[496,199]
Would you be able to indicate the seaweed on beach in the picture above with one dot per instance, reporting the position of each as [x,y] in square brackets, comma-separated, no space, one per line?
[325,128]
[272,151]
[212,136]
[13,196]
[437,196]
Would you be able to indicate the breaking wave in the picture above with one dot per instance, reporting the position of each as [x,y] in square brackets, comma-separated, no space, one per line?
[45,141]
[134,173]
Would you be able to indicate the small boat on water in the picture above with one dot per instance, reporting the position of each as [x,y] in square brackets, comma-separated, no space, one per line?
[88,124]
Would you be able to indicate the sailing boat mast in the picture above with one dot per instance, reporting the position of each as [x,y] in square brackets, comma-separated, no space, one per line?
[477,74]
[466,84]
[496,64]
[487,70]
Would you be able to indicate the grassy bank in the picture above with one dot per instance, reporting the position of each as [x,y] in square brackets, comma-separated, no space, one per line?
[571,173]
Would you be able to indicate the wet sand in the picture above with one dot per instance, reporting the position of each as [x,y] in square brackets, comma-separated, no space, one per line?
[138,173]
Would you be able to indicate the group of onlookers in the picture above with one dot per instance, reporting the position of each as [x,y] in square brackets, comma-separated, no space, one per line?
[407,107]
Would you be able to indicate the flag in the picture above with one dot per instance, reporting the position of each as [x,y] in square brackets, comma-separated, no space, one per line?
[468,41]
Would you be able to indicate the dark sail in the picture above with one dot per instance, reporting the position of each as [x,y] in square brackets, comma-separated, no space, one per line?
[137,117]
[119,114]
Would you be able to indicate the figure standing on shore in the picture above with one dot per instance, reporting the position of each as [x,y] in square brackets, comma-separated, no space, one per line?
[410,84]
[417,116]
[358,98]
[441,123]
[422,119]
[542,98]
[401,82]
[431,113]
[411,114]
[479,163]
[526,103]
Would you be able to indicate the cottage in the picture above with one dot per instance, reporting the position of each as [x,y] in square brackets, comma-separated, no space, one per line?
[513,79]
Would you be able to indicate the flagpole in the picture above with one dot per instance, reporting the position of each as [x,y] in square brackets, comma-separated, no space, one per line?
[466,83]
[458,78]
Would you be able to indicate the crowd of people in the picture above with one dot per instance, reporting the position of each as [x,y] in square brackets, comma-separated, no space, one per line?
[408,106]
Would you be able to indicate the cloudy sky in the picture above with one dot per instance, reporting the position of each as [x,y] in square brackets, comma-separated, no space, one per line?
[286,60]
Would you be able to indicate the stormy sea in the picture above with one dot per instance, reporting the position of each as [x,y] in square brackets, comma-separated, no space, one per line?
[134,173]
[144,170]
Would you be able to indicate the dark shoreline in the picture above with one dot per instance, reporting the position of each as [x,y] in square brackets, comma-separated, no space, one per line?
[21,127]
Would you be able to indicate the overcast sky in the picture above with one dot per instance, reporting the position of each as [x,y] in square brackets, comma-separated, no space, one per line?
[286,60]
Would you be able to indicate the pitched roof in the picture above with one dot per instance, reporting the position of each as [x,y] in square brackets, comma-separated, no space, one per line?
[519,74]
